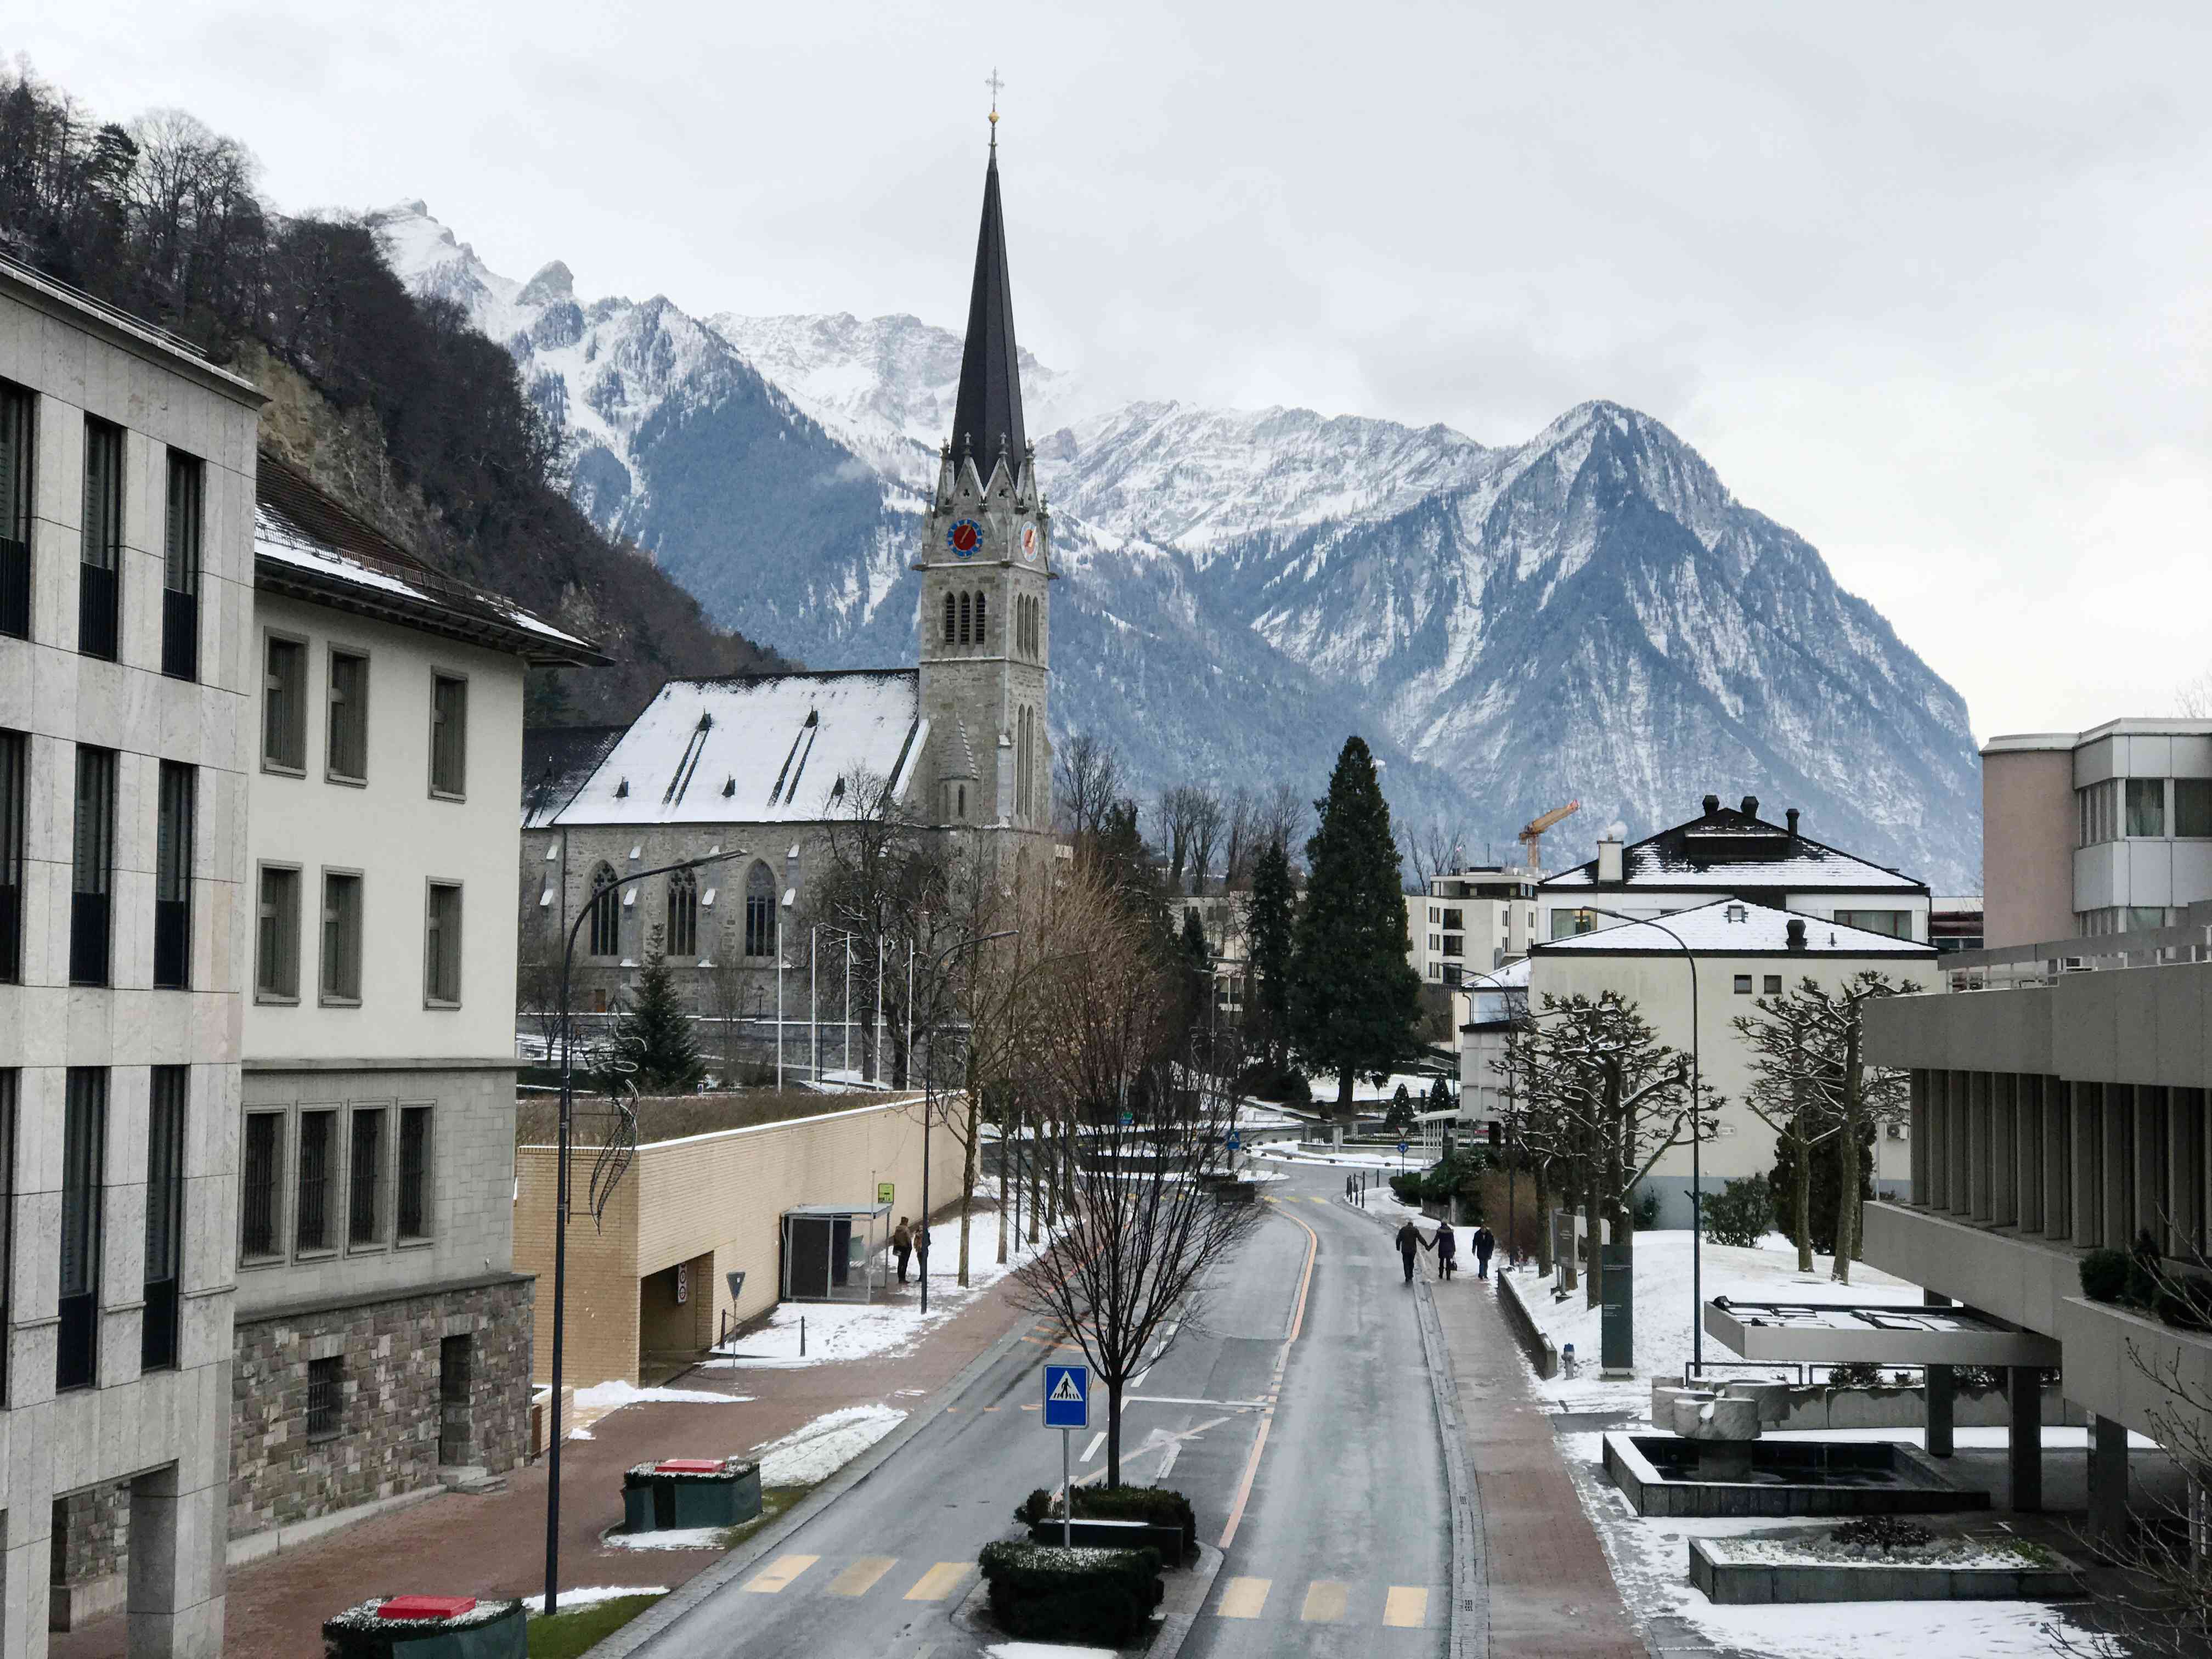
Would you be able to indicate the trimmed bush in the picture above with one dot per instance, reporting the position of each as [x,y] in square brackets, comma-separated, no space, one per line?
[1854,1374]
[1407,1188]
[1053,1594]
[1740,1213]
[1161,1507]
[2105,1275]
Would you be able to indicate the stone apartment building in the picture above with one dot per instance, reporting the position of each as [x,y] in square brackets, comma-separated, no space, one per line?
[127,467]
[760,763]
[383,1336]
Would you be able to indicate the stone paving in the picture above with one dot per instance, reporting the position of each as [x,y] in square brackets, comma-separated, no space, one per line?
[495,1545]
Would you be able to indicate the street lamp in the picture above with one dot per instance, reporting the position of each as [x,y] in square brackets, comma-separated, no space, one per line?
[560,1215]
[1697,1105]
[929,1074]
[1512,1209]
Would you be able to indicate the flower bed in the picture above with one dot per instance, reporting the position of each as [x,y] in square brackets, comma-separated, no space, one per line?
[1881,1558]
[1051,1595]
[682,1492]
[475,1630]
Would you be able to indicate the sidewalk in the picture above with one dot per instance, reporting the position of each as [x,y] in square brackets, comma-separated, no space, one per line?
[1551,1593]
[495,1545]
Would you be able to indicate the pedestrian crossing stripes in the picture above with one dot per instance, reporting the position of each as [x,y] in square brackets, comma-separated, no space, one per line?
[940,1581]
[778,1575]
[858,1576]
[861,1577]
[1326,1601]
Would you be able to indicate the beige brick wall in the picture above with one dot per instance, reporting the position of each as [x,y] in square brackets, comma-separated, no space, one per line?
[720,1197]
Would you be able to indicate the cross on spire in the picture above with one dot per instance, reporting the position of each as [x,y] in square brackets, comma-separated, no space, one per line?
[994,83]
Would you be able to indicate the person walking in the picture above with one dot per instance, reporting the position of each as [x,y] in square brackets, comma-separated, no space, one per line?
[1484,1243]
[1409,1240]
[1447,1242]
[902,1246]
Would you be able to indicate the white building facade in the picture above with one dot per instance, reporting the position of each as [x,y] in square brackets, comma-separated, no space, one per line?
[1471,922]
[127,468]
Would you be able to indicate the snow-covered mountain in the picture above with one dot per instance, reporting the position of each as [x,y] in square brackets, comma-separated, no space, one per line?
[1588,615]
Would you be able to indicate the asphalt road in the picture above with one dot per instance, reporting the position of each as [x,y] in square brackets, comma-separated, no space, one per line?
[1338,1533]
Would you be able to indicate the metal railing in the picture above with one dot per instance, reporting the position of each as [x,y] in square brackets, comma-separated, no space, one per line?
[2016,967]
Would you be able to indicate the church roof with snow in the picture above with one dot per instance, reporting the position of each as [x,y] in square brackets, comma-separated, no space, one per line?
[1728,848]
[755,749]
[1729,927]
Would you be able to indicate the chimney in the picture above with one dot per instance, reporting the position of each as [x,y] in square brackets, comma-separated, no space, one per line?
[1750,806]
[1796,931]
[1608,859]
[1792,816]
[1712,804]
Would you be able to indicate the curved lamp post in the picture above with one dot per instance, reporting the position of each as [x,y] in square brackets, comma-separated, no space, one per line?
[561,1220]
[1512,1210]
[1697,1105]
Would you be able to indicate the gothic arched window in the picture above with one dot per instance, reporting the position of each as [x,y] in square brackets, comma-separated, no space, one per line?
[605,924]
[967,610]
[948,619]
[982,616]
[760,912]
[683,915]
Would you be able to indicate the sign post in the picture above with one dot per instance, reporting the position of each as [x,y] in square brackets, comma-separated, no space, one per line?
[1067,1409]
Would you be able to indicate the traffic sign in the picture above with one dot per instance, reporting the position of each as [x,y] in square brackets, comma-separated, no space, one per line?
[1127,1118]
[1235,1141]
[1068,1396]
[1401,1149]
[886,1191]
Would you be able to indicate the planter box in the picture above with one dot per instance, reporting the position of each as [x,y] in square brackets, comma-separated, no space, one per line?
[489,1630]
[680,1493]
[1753,1583]
[1114,1535]
[1908,1481]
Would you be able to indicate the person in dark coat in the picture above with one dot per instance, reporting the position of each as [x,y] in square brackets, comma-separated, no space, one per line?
[1447,1242]
[1409,1240]
[1484,1243]
[921,1247]
[902,1246]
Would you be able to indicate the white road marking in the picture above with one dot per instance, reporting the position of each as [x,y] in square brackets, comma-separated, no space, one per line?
[1092,1450]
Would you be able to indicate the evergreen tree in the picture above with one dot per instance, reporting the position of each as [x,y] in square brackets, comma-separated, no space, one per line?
[1355,1000]
[1823,1188]
[654,1034]
[1440,1096]
[1269,925]
[1196,962]
[1400,1118]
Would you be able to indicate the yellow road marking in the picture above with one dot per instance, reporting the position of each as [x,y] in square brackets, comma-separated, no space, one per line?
[937,1583]
[861,1577]
[1326,1599]
[779,1573]
[1406,1606]
[1244,1598]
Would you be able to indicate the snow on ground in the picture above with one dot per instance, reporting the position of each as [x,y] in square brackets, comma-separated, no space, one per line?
[826,1445]
[1348,1158]
[610,1396]
[1651,1561]
[1045,1650]
[584,1598]
[872,1330]
[672,1538]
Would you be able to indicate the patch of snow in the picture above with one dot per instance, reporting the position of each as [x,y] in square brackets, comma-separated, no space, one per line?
[585,1597]
[1045,1650]
[673,1538]
[610,1395]
[826,1445]
[581,1434]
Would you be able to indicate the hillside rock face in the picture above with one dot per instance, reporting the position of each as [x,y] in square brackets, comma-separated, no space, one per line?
[1588,615]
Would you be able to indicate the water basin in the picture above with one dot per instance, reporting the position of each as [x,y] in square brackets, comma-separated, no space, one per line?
[1663,1474]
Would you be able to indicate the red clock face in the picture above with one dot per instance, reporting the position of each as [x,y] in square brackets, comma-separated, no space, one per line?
[964,538]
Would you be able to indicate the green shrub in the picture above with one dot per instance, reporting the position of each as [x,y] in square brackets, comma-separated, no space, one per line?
[1048,1594]
[1162,1506]
[1739,1214]
[1645,1216]
[1407,1188]
[2105,1275]
[1854,1373]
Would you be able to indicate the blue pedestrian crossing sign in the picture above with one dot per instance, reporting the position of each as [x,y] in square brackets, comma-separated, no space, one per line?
[1068,1396]
[1234,1141]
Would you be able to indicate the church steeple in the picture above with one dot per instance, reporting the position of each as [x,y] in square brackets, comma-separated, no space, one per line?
[987,415]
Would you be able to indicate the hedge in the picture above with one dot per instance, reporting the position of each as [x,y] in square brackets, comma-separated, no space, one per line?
[1058,1595]
[1163,1506]
[492,1629]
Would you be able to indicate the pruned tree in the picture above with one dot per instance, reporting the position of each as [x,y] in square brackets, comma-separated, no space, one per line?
[1138,1230]
[1791,1093]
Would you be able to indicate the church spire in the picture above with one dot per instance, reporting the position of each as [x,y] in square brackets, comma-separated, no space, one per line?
[987,415]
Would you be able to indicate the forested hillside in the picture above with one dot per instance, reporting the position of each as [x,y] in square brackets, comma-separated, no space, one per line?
[397,403]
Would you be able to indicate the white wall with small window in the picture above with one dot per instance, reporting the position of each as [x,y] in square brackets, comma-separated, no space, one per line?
[384,798]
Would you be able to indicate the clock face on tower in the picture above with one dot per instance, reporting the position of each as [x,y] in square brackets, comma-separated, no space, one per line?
[1028,538]
[964,538]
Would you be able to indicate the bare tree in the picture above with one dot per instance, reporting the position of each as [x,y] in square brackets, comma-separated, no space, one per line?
[1241,843]
[1283,815]
[1792,1092]
[1205,821]
[538,980]
[1859,1096]
[1087,777]
[1140,1231]
[2194,698]
[1178,812]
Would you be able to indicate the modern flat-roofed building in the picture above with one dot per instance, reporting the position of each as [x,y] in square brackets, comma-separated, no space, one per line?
[127,467]
[1471,921]
[2103,831]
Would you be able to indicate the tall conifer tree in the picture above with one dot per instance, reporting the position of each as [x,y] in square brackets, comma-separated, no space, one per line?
[1355,1001]
[1273,916]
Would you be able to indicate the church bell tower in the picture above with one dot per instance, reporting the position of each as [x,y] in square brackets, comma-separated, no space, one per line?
[985,633]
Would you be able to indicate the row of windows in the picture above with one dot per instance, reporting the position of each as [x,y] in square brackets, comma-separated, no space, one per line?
[100,559]
[680,937]
[318,1179]
[2137,807]
[277,945]
[1895,924]
[84,1218]
[971,611]
[346,749]
[1028,626]
[92,864]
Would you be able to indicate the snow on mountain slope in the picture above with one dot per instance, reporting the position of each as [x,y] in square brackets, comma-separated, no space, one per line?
[1588,615]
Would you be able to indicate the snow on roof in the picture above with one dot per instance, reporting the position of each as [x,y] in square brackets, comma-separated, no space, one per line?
[1729,848]
[1730,928]
[756,749]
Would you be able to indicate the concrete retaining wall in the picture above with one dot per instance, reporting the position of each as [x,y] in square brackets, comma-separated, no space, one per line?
[1534,1343]
[1751,1583]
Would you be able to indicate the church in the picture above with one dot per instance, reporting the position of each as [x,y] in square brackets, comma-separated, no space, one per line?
[760,763]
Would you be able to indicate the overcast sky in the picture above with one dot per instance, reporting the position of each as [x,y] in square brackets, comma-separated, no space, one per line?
[1928,284]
